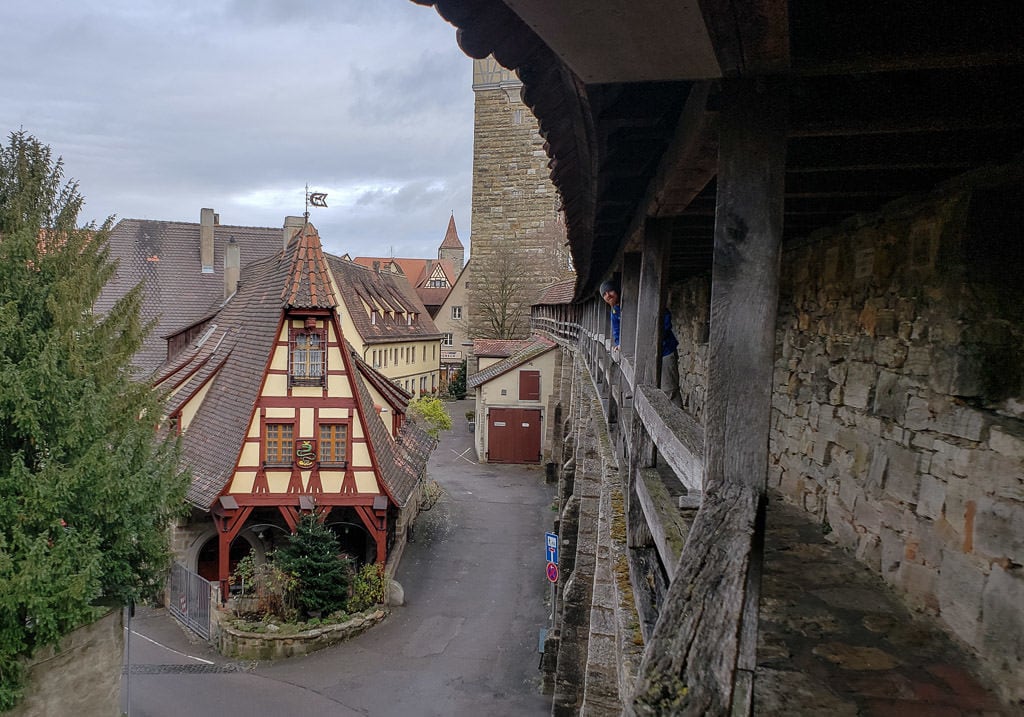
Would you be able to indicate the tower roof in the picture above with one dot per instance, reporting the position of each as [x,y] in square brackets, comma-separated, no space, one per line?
[451,237]
[309,284]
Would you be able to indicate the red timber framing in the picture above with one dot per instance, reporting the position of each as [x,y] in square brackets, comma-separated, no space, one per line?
[298,498]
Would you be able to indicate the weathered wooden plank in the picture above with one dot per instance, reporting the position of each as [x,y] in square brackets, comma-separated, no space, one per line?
[679,439]
[666,524]
[689,664]
[653,268]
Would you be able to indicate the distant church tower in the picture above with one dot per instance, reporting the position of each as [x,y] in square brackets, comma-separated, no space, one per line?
[451,248]
[515,204]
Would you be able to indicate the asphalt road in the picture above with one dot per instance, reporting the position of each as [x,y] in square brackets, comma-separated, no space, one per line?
[465,642]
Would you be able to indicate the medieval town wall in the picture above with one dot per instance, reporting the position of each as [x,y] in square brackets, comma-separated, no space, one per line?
[899,399]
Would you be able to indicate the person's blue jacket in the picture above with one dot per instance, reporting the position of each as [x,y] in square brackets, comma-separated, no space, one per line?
[669,343]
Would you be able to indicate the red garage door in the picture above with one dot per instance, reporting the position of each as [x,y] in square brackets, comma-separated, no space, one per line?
[513,435]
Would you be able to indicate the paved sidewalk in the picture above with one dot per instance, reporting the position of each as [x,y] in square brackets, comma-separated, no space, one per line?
[834,640]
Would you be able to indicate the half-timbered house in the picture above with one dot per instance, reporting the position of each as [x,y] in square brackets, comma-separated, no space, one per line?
[279,416]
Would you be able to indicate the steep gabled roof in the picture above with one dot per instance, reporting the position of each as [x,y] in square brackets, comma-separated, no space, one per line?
[232,360]
[359,285]
[164,257]
[400,461]
[534,347]
[309,284]
[451,237]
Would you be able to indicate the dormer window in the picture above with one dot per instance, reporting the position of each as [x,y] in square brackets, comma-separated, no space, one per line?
[307,357]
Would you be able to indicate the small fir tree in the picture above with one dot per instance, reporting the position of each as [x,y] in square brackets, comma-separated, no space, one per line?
[87,488]
[311,556]
[457,387]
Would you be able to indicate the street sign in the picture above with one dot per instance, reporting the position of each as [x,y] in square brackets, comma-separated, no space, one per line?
[551,547]
[552,572]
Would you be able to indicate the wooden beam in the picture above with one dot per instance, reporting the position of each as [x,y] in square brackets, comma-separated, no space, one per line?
[651,301]
[678,438]
[750,37]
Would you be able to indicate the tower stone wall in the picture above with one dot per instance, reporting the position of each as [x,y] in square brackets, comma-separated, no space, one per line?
[516,208]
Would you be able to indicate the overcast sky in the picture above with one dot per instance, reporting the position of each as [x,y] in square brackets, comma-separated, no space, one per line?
[162,107]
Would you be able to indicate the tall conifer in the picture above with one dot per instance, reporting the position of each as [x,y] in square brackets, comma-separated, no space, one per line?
[87,487]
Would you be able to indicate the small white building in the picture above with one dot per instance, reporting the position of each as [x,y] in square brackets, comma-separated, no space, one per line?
[513,396]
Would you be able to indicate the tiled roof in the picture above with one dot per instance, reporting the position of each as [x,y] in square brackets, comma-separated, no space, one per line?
[309,284]
[534,348]
[400,461]
[233,358]
[164,257]
[451,237]
[394,394]
[498,348]
[391,294]
[561,292]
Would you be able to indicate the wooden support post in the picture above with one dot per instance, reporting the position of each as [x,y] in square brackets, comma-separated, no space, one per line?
[657,238]
[630,300]
[706,634]
[745,283]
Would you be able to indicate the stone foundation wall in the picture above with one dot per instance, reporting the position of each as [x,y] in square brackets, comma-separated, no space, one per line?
[264,646]
[591,660]
[81,676]
[898,401]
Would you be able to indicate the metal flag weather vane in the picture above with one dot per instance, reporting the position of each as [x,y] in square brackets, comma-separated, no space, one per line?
[315,199]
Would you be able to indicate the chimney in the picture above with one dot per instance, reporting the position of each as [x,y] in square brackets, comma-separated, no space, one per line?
[232,266]
[292,225]
[206,224]
[376,266]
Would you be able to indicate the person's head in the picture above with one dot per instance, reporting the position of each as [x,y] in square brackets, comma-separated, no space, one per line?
[610,292]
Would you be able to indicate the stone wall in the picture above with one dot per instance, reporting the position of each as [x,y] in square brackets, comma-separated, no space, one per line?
[81,676]
[591,660]
[267,646]
[898,401]
[514,202]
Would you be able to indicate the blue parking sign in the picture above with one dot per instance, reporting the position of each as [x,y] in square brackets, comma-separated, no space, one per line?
[551,547]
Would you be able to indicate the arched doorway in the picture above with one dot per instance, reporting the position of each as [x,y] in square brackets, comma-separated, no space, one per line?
[206,559]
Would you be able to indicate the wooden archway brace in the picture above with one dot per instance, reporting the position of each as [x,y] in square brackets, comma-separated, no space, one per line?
[228,527]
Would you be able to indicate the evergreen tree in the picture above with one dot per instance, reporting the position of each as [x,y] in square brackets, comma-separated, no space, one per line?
[87,488]
[311,557]
[457,388]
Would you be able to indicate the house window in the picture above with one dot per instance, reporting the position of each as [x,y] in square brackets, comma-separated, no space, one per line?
[278,444]
[529,385]
[423,384]
[307,358]
[333,442]
[447,340]
[517,116]
[456,312]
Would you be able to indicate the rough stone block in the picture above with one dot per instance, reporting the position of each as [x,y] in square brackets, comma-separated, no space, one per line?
[931,497]
[961,421]
[1007,441]
[901,476]
[1003,627]
[860,380]
[918,581]
[959,590]
[890,352]
[891,553]
[999,529]
[890,396]
[919,361]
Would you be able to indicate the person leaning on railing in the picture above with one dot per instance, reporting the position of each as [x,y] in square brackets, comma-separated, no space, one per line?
[669,356]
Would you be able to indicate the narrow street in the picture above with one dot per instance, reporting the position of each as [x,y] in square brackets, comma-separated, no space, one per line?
[465,642]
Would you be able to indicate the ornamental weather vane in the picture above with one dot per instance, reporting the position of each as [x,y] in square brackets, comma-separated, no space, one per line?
[314,199]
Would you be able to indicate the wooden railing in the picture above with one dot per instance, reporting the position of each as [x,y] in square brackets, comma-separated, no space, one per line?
[700,657]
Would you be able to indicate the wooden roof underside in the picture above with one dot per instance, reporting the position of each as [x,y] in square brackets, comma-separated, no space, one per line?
[885,101]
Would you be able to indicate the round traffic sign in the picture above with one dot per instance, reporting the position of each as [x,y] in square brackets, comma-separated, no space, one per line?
[552,572]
